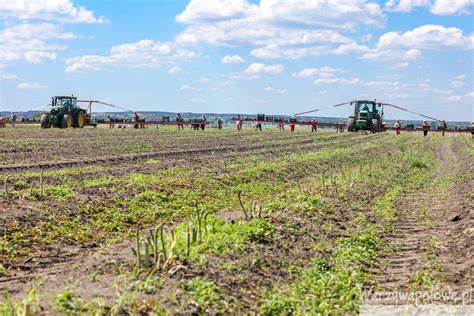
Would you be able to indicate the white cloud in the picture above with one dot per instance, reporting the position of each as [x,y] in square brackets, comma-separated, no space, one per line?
[274,90]
[7,76]
[432,37]
[204,80]
[30,86]
[408,45]
[198,100]
[438,7]
[174,70]
[401,65]
[443,92]
[235,59]
[460,77]
[453,98]
[338,80]
[449,7]
[327,80]
[142,54]
[406,5]
[279,28]
[257,68]
[189,88]
[321,72]
[63,11]
[351,81]
[31,43]
[200,11]
[457,84]
[389,54]
[457,98]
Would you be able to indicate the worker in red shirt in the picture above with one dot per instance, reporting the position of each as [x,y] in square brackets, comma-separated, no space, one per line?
[292,127]
[314,125]
[281,126]
[426,127]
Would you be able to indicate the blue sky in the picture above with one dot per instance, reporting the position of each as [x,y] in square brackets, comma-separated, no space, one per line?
[231,56]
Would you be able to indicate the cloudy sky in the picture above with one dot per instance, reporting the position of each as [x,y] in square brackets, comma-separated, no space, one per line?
[270,56]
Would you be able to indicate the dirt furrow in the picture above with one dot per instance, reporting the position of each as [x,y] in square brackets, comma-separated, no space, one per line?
[430,252]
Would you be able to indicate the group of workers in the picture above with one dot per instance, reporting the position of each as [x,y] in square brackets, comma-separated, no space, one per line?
[425,126]
[281,125]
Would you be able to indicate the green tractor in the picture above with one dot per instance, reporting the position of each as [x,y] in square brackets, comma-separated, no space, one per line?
[368,115]
[64,114]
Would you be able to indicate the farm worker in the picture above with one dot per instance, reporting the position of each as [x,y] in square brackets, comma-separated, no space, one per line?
[219,123]
[239,124]
[397,127]
[426,127]
[314,125]
[111,124]
[472,129]
[258,125]
[13,119]
[179,119]
[292,127]
[204,119]
[281,126]
[443,127]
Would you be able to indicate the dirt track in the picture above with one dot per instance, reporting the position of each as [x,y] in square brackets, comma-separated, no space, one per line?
[432,246]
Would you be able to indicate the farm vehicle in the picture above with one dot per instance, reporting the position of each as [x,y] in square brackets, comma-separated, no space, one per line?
[367,115]
[65,113]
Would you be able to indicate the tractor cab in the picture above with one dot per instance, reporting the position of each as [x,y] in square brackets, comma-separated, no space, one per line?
[367,115]
[64,102]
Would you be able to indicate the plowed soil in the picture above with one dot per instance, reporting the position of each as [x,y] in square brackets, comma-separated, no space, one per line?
[430,245]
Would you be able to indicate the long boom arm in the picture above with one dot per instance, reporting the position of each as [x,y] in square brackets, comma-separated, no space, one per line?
[316,110]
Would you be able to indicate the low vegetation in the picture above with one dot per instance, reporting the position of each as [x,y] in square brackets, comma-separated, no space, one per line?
[288,226]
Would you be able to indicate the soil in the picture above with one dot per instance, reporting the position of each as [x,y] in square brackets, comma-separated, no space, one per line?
[94,269]
[434,226]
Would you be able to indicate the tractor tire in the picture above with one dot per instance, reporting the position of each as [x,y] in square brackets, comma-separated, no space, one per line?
[45,121]
[374,127]
[80,120]
[66,122]
[351,124]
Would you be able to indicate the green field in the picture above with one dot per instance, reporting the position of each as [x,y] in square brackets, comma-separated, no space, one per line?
[100,221]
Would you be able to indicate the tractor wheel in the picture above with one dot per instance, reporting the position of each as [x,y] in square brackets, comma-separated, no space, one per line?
[374,127]
[351,124]
[45,121]
[66,122]
[80,119]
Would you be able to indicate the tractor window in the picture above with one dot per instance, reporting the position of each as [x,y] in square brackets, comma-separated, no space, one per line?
[67,102]
[364,107]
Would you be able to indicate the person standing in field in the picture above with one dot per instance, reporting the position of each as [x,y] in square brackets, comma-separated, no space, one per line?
[444,126]
[13,119]
[258,126]
[180,121]
[397,127]
[426,127]
[240,122]
[281,126]
[204,121]
[292,127]
[219,123]
[314,125]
